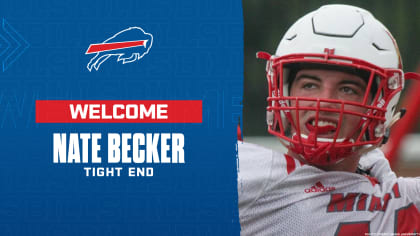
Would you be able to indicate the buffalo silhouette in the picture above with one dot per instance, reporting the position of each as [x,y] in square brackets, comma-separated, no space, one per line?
[129,45]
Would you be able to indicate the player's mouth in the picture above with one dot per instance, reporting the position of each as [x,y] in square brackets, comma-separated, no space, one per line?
[325,127]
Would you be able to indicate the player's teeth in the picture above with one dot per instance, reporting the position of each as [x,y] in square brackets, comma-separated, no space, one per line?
[322,123]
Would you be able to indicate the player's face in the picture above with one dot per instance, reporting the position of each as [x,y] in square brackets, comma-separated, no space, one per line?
[328,84]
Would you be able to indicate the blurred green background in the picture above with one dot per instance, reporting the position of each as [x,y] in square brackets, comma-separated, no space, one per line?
[266,21]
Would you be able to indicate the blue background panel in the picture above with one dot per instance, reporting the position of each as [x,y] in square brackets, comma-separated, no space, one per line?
[197,54]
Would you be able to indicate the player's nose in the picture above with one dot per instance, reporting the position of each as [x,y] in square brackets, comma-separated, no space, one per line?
[327,92]
[326,98]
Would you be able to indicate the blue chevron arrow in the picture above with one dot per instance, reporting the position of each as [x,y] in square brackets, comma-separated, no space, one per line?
[16,45]
[7,45]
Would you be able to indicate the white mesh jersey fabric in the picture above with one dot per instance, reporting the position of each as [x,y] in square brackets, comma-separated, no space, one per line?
[309,201]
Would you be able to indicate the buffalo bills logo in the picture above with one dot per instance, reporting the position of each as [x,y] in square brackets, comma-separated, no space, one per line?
[129,45]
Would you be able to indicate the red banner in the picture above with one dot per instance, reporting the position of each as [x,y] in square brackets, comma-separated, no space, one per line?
[118,111]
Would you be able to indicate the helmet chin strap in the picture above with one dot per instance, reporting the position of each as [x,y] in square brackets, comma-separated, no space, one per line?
[325,142]
[325,152]
[359,152]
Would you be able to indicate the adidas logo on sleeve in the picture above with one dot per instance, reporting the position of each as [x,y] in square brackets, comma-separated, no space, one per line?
[318,187]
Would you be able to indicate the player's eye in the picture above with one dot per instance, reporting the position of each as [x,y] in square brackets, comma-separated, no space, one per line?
[349,90]
[309,85]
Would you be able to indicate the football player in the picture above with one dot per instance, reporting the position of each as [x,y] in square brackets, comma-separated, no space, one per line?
[333,87]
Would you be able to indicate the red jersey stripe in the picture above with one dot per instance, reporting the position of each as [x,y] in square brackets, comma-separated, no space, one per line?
[290,163]
[372,180]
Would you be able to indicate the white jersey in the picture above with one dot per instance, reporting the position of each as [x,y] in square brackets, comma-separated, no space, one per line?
[278,195]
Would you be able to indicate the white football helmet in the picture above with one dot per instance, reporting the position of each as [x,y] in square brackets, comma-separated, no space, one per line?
[344,38]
